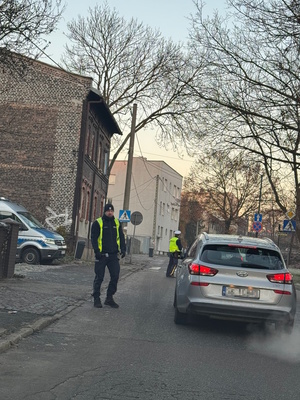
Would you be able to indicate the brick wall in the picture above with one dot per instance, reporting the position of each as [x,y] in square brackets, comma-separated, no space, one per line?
[40,122]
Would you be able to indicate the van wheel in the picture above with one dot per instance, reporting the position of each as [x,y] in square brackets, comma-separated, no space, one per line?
[31,256]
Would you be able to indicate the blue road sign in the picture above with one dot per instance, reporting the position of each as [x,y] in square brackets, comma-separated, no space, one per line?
[289,225]
[258,217]
[124,215]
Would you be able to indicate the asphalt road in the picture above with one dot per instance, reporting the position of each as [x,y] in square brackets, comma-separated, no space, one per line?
[137,352]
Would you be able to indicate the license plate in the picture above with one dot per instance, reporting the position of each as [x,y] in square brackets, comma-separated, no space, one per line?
[63,252]
[240,292]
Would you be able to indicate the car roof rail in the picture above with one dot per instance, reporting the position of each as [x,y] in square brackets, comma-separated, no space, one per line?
[268,239]
[205,234]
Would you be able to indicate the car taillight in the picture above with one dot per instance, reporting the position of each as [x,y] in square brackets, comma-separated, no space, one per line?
[196,269]
[284,278]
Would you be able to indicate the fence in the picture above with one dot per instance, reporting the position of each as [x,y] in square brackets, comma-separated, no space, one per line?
[138,244]
[287,242]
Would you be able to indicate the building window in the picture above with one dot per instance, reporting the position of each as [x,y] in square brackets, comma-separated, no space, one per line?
[82,208]
[160,208]
[176,215]
[158,230]
[93,147]
[102,206]
[87,149]
[95,208]
[99,159]
[87,206]
[105,169]
[163,209]
[112,179]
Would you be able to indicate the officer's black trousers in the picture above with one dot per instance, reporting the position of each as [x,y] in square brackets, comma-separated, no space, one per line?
[113,265]
[172,263]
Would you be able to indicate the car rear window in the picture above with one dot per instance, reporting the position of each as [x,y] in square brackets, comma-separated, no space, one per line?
[238,256]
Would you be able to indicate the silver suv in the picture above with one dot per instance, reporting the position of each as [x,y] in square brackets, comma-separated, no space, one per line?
[237,278]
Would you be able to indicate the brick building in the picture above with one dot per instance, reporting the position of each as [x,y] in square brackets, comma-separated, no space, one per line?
[55,134]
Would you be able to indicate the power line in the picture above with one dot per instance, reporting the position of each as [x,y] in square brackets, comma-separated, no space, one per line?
[137,195]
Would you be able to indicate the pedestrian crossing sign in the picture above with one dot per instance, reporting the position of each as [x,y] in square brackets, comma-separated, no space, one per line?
[124,216]
[289,225]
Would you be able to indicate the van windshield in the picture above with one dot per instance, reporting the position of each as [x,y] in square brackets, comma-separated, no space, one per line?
[29,219]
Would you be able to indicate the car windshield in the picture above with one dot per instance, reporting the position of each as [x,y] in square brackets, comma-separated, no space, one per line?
[29,219]
[242,256]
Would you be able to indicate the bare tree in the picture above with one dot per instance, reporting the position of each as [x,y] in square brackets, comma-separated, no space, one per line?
[229,184]
[132,63]
[24,25]
[191,215]
[250,82]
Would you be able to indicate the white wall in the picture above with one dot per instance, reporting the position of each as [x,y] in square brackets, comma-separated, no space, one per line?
[155,193]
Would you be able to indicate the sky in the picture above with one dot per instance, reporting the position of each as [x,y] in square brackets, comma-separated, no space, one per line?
[168,16]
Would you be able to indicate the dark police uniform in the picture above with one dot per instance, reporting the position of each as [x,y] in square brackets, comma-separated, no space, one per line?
[175,248]
[108,242]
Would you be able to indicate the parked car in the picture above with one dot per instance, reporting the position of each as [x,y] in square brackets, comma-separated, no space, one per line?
[236,278]
[35,243]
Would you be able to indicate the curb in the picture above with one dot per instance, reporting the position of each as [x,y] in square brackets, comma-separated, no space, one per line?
[41,323]
[36,326]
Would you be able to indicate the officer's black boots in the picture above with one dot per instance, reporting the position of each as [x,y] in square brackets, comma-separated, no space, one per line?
[97,302]
[109,301]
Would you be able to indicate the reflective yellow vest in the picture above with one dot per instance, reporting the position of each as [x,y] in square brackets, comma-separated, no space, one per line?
[100,222]
[173,245]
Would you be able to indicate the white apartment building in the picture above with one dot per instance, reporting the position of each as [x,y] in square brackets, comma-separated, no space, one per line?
[155,192]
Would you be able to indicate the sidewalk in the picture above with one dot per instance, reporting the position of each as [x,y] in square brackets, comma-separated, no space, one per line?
[38,295]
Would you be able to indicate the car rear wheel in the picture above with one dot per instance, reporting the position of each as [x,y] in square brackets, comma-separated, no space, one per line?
[174,301]
[31,256]
[180,318]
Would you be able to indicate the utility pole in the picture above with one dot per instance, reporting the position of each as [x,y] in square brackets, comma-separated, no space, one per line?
[155,212]
[130,160]
[259,199]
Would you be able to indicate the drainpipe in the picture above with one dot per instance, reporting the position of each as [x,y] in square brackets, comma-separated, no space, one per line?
[77,194]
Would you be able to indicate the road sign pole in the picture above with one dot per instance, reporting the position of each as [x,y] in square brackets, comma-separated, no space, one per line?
[132,244]
[136,218]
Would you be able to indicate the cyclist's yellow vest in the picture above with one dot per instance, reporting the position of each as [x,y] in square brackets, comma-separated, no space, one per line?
[100,222]
[173,245]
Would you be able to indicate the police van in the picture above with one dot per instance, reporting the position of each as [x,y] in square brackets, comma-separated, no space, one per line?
[36,244]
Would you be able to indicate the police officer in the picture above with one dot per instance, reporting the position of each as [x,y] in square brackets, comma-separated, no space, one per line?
[175,248]
[108,242]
